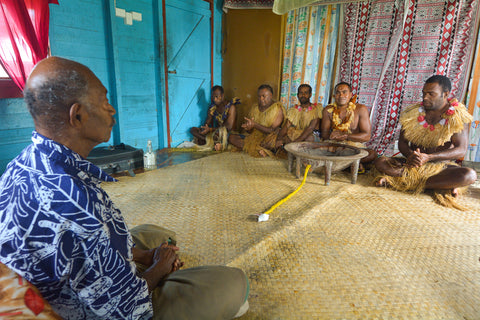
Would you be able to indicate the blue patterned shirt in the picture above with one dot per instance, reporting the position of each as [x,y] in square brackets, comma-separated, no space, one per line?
[61,231]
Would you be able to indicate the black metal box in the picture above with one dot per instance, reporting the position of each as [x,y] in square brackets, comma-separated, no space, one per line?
[118,158]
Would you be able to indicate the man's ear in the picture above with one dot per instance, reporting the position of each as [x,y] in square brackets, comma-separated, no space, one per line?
[447,93]
[77,115]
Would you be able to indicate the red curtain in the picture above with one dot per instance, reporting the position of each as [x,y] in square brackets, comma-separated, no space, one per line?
[23,36]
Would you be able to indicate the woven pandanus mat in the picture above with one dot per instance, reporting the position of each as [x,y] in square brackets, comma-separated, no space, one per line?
[331,252]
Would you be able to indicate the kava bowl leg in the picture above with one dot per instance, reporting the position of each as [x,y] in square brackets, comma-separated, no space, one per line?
[299,165]
[328,172]
[290,162]
[354,169]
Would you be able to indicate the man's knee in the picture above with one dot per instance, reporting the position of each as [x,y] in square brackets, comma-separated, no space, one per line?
[469,175]
[236,140]
[198,287]
[149,236]
[380,164]
[372,155]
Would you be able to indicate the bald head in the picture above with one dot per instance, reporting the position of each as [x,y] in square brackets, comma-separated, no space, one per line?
[69,104]
[53,86]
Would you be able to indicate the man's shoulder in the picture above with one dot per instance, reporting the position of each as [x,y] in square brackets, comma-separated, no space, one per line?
[45,188]
[278,104]
[234,101]
[359,107]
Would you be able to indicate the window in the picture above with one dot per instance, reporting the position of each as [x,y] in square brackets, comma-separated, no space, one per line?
[24,41]
[8,88]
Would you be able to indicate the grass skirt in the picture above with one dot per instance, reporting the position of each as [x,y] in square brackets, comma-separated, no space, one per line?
[254,141]
[414,180]
[218,136]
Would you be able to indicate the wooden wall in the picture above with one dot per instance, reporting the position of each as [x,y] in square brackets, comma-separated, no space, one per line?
[252,52]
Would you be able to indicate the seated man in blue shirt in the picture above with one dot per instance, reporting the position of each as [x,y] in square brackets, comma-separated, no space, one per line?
[61,231]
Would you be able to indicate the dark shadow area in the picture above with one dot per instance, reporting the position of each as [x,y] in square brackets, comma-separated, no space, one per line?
[166,157]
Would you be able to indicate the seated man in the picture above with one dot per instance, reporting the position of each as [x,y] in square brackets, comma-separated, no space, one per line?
[264,118]
[433,135]
[300,122]
[347,122]
[221,117]
[61,232]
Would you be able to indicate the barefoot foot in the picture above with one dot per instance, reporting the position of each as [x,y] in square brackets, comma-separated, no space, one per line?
[382,183]
[262,153]
[455,192]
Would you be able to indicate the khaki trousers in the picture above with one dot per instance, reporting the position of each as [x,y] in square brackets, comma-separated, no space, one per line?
[206,292]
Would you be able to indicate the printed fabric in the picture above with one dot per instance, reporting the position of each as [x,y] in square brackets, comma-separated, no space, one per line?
[221,117]
[60,231]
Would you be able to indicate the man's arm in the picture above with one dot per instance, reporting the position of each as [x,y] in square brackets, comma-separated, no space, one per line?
[326,124]
[109,278]
[144,257]
[283,132]
[364,127]
[308,130]
[206,128]
[457,150]
[163,263]
[158,261]
[403,145]
[232,115]
[277,122]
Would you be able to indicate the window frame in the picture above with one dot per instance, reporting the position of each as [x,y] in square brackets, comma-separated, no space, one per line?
[8,89]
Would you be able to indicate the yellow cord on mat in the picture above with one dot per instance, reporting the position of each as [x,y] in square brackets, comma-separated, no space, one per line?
[291,194]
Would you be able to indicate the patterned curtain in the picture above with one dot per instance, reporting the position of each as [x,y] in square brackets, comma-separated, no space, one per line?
[247,4]
[283,6]
[309,52]
[392,47]
[473,152]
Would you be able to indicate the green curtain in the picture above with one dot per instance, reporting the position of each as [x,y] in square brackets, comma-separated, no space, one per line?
[310,43]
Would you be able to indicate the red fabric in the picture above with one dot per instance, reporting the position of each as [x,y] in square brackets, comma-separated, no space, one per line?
[389,51]
[34,302]
[24,36]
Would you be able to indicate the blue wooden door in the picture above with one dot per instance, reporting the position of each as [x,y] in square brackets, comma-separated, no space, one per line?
[188,64]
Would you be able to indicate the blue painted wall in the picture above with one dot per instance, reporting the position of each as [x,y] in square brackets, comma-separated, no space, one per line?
[128,59]
[16,127]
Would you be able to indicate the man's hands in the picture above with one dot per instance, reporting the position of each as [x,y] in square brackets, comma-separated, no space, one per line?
[417,159]
[164,253]
[338,135]
[249,124]
[204,129]
[163,261]
[282,141]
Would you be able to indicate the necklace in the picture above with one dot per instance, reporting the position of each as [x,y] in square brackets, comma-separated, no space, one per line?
[445,116]
[299,108]
[344,125]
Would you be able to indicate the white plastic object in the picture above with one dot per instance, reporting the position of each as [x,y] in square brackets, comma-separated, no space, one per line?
[149,159]
[263,217]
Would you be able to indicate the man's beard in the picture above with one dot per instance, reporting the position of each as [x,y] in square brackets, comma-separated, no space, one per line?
[303,100]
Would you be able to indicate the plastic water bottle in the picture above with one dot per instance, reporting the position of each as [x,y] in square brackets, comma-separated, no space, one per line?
[149,158]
